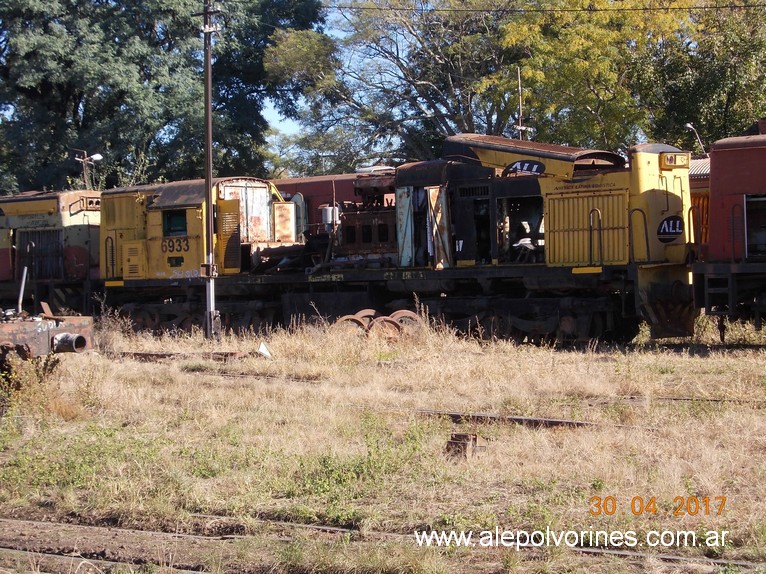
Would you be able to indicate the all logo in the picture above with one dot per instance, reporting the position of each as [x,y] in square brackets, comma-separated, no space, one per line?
[525,166]
[670,229]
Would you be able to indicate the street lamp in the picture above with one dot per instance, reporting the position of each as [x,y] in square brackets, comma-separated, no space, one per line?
[690,128]
[87,160]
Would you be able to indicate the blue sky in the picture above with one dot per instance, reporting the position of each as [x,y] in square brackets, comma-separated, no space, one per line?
[277,122]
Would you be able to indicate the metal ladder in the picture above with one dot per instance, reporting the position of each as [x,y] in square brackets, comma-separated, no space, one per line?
[720,294]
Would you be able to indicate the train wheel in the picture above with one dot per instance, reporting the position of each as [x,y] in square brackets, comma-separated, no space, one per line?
[192,322]
[350,323]
[386,327]
[407,319]
[145,320]
[367,316]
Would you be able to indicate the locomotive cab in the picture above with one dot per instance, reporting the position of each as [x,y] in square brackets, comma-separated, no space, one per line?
[54,236]
[158,232]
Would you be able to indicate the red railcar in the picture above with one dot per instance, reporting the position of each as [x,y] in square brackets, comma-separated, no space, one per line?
[730,280]
[311,194]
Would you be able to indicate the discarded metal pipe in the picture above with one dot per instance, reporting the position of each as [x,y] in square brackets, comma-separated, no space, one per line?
[69,343]
[21,290]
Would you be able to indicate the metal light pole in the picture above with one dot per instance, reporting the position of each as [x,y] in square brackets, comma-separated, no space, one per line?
[87,160]
[690,127]
[212,317]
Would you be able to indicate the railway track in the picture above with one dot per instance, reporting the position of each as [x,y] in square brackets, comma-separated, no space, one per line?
[225,356]
[64,547]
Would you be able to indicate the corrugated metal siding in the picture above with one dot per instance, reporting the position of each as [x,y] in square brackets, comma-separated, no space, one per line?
[567,229]
[700,217]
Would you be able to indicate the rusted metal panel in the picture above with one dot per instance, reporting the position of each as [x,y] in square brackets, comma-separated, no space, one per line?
[38,336]
[368,232]
[441,240]
[382,183]
[254,208]
[404,226]
[516,156]
[284,222]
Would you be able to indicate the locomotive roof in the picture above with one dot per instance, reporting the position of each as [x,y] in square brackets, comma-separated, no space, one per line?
[187,193]
[533,149]
[699,168]
[43,195]
[424,173]
[739,142]
[500,152]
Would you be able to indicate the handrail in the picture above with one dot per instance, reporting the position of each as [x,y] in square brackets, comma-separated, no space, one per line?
[109,240]
[600,235]
[632,254]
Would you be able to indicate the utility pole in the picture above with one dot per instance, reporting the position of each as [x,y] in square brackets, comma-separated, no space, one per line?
[209,271]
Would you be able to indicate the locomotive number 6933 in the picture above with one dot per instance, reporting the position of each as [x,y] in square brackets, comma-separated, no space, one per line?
[175,245]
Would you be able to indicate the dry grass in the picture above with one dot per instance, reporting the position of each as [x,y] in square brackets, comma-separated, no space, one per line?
[326,432]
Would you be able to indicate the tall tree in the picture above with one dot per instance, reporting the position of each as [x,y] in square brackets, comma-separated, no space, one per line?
[580,55]
[709,73]
[412,72]
[123,78]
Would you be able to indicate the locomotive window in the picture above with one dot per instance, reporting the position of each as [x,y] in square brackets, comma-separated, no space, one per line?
[366,233]
[350,234]
[174,223]
[382,233]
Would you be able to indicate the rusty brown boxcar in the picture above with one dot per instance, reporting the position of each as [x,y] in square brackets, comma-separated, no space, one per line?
[730,279]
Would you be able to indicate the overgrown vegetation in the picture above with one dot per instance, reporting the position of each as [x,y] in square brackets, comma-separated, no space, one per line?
[328,433]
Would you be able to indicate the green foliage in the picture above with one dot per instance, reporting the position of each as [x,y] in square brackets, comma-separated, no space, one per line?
[124,79]
[78,461]
[407,76]
[594,73]
[350,477]
[709,73]
[576,76]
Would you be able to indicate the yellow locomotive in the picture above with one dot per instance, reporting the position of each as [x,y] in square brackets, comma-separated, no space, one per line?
[153,245]
[518,239]
[50,240]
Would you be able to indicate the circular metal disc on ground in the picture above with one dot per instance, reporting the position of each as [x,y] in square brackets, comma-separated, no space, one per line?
[351,321]
[385,326]
[406,317]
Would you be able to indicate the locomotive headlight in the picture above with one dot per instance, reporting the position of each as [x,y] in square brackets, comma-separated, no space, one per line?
[674,160]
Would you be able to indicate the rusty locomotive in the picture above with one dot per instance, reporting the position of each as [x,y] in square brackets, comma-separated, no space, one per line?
[730,275]
[515,239]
